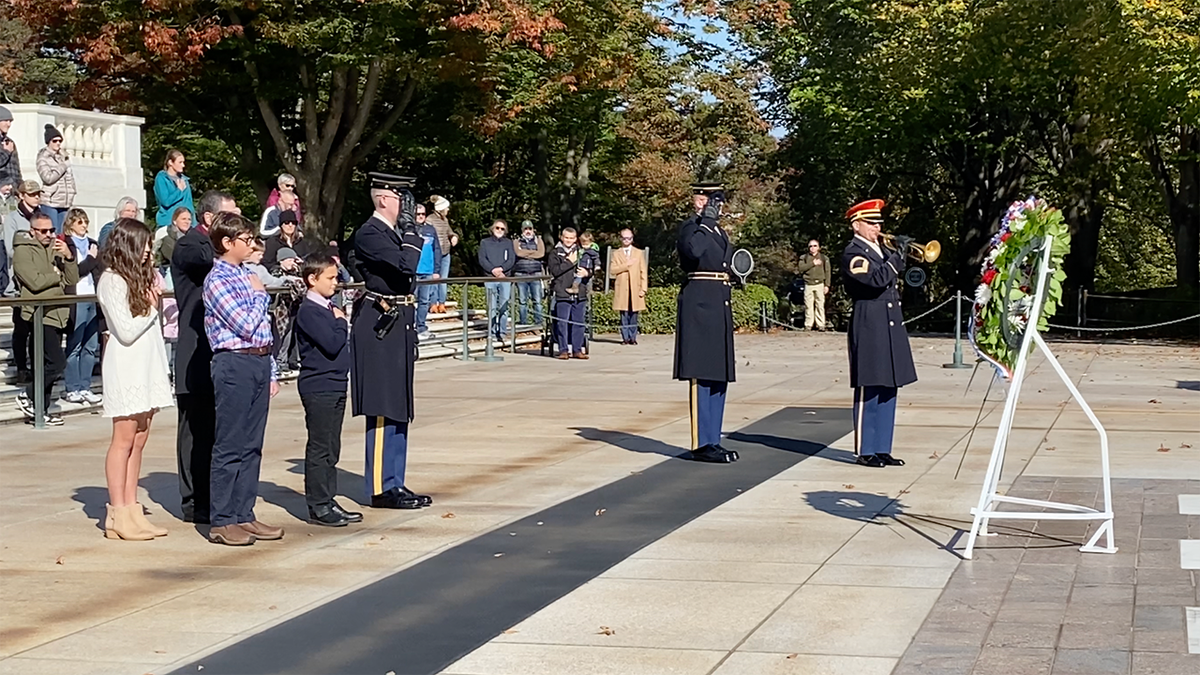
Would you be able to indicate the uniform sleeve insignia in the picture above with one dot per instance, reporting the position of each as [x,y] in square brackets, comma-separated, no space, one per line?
[859,265]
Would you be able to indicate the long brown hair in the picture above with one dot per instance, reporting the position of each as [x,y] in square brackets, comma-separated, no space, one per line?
[172,155]
[123,253]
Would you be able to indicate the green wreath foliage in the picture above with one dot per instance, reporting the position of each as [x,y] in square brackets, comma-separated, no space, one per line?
[1009,279]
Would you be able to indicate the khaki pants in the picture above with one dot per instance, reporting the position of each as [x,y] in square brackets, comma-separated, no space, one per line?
[814,307]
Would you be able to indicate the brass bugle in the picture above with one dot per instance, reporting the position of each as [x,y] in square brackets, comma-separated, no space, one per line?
[925,253]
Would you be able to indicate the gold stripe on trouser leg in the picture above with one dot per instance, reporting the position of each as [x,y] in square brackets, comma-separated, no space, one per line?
[859,404]
[377,477]
[694,396]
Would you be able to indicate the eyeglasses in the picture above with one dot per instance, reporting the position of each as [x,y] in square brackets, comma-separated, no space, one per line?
[247,239]
[42,230]
[289,186]
[626,238]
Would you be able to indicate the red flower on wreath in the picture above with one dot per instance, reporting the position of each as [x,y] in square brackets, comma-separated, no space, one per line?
[1006,236]
[988,276]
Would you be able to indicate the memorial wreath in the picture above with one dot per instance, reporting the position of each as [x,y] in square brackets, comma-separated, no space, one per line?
[1010,275]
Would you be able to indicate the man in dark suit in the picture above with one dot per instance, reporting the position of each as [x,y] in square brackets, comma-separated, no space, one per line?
[194,398]
[880,359]
[704,324]
[383,338]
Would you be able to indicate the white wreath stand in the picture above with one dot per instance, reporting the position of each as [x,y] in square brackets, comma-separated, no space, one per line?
[989,498]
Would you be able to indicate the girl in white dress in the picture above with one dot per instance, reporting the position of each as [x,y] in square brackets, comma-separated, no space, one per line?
[135,372]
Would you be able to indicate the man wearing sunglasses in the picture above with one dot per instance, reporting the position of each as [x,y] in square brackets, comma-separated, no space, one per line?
[44,268]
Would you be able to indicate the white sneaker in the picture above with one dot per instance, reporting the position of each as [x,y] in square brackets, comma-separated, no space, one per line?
[51,420]
[92,397]
[24,404]
[424,335]
[73,397]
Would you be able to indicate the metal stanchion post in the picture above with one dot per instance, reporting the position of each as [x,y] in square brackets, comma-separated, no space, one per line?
[465,310]
[512,318]
[762,317]
[489,353]
[39,368]
[958,359]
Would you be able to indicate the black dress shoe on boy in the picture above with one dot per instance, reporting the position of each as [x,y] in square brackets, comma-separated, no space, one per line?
[350,516]
[870,460]
[394,499]
[327,517]
[425,500]
[889,460]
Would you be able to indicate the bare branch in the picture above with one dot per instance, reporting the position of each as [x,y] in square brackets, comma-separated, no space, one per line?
[282,147]
[398,108]
[310,111]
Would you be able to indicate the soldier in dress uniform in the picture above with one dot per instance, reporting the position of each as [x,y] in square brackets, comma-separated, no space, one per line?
[704,327]
[880,359]
[383,338]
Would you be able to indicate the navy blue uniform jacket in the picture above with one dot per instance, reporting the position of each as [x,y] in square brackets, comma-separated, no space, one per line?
[382,385]
[704,318]
[879,351]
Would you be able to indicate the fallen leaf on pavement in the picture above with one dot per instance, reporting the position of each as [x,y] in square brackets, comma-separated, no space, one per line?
[1163,448]
[1051,448]
[904,492]
[605,630]
[497,555]
[510,631]
[934,455]
[600,512]
[848,486]
[1154,400]
[447,515]
[1185,445]
[273,607]
[792,656]
[58,560]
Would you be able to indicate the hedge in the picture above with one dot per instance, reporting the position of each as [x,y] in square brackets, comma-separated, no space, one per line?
[659,316]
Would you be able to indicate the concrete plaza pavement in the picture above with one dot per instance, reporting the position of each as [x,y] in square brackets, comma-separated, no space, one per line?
[825,568]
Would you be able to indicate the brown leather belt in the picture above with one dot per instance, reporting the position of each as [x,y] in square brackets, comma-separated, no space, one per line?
[248,351]
[708,276]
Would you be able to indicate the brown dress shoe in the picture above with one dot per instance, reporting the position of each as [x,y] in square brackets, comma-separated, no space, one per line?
[581,355]
[563,356]
[261,530]
[230,535]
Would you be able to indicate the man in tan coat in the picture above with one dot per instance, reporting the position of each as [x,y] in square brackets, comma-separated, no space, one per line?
[628,269]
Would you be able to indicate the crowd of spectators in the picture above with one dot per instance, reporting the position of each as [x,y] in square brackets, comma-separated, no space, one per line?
[217,349]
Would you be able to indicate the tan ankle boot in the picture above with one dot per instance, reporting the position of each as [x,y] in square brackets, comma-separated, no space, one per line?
[123,525]
[139,517]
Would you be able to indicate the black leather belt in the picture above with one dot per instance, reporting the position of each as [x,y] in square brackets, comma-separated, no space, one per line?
[386,301]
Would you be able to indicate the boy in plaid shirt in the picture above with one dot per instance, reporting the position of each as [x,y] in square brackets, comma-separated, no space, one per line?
[238,326]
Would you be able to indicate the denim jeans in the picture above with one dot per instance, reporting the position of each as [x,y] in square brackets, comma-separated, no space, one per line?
[525,291]
[425,294]
[57,216]
[83,348]
[498,296]
[439,291]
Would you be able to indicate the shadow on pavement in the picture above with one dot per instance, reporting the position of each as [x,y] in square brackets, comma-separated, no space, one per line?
[1191,385]
[630,442]
[344,478]
[796,445]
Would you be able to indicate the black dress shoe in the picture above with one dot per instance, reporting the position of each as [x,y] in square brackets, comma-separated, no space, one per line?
[425,500]
[350,516]
[393,499]
[732,453]
[327,517]
[712,455]
[889,460]
[870,460]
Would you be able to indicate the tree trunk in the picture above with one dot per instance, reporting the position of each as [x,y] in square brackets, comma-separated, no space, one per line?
[541,168]
[1182,200]
[1085,216]
[990,185]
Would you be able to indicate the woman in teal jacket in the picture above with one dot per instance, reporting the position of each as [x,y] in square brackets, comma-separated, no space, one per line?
[172,189]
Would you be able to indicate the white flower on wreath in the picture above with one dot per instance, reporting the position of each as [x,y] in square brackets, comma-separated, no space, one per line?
[1017,224]
[983,295]
[993,254]
[1018,313]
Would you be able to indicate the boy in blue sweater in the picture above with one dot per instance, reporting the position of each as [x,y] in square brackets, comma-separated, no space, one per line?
[322,333]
